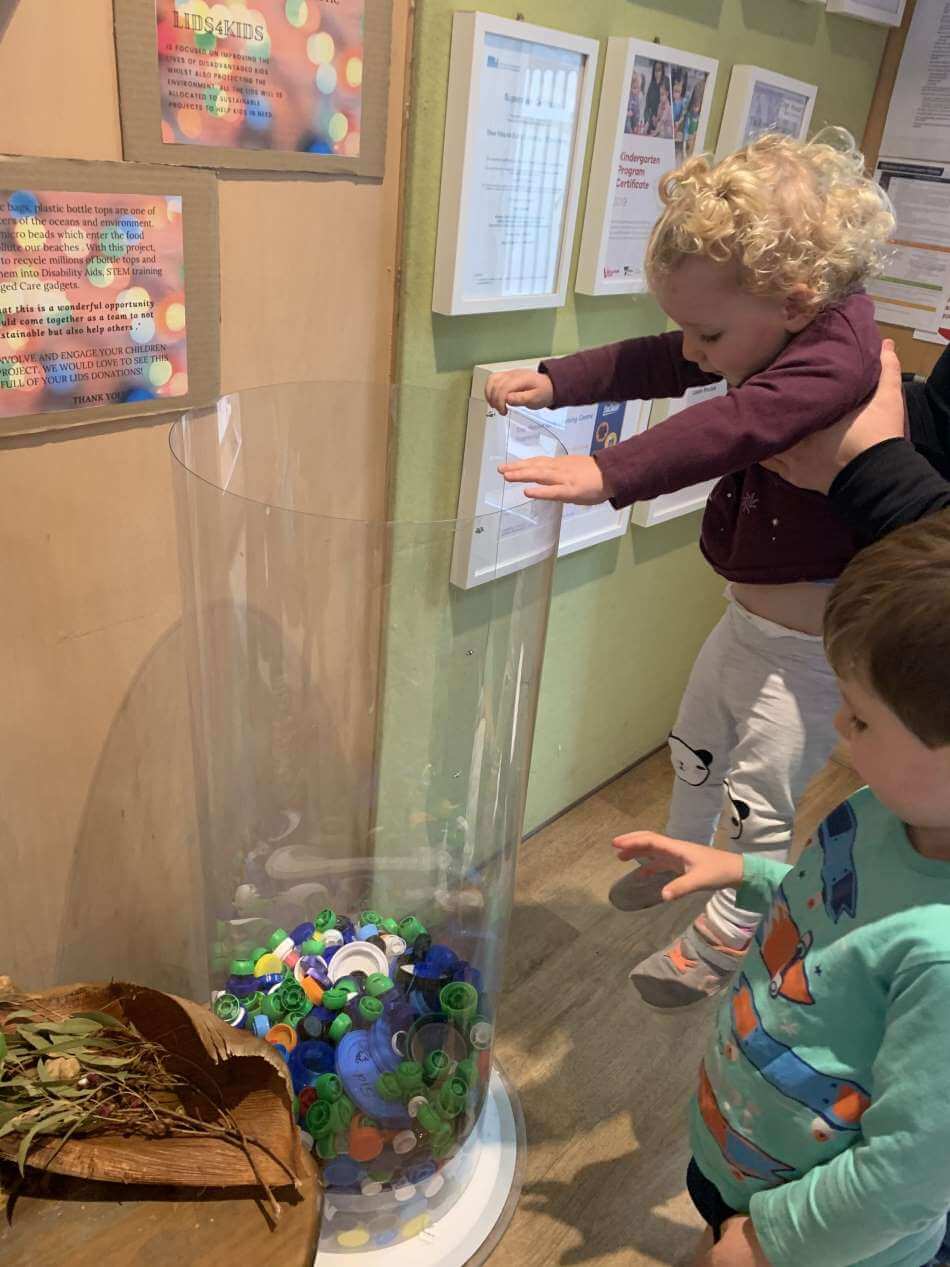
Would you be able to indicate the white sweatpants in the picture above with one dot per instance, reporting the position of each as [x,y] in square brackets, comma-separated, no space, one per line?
[754,726]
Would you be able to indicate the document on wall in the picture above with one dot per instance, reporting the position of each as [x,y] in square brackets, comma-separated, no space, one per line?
[524,147]
[915,287]
[918,121]
[941,335]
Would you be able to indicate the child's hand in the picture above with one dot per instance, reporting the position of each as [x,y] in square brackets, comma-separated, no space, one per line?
[572,478]
[701,866]
[526,389]
[738,1247]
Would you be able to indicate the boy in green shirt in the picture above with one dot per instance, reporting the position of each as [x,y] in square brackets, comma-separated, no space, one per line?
[821,1129]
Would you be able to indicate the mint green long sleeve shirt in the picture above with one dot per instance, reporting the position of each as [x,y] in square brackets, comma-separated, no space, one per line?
[824,1099]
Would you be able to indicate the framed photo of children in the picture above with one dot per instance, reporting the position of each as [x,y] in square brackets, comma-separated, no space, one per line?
[761,101]
[654,112]
[685,500]
[283,85]
[515,141]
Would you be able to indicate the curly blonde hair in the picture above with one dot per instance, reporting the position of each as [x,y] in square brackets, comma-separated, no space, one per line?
[785,212]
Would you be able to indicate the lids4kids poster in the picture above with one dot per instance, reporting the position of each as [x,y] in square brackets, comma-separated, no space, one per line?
[281,75]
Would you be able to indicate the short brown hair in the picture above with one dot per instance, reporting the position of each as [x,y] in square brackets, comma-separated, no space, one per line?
[888,623]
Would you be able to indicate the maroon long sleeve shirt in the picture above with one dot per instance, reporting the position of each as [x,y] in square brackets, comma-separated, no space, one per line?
[757,528]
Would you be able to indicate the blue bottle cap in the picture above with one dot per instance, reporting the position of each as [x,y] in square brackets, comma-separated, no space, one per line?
[422,1171]
[308,1061]
[241,987]
[385,1058]
[342,1172]
[367,931]
[358,1072]
[444,957]
[260,1025]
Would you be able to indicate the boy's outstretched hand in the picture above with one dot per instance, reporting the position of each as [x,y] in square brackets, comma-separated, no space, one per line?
[700,866]
[525,389]
[573,478]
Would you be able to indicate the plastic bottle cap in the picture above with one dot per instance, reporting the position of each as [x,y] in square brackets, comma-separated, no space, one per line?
[395,946]
[242,968]
[429,1119]
[312,946]
[325,1146]
[335,999]
[361,1078]
[410,928]
[284,948]
[480,1035]
[332,937]
[366,931]
[260,1025]
[282,1034]
[312,989]
[459,1000]
[325,920]
[365,1142]
[421,1172]
[437,1065]
[404,1191]
[433,1187]
[409,1074]
[302,933]
[358,956]
[370,1009]
[258,953]
[266,965]
[354,1238]
[387,1085]
[468,1070]
[314,966]
[226,1007]
[370,1187]
[378,984]
[421,946]
[317,1118]
[389,925]
[342,1173]
[328,1087]
[340,1027]
[292,997]
[370,917]
[276,938]
[404,1142]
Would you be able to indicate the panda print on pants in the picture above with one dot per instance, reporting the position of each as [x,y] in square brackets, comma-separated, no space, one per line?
[692,765]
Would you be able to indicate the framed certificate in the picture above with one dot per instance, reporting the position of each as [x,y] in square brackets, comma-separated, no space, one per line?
[515,137]
[654,112]
[761,101]
[885,12]
[685,500]
[498,544]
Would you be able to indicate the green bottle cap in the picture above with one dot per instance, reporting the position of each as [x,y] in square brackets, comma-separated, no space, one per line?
[387,1086]
[459,1000]
[314,946]
[242,967]
[227,1007]
[370,1009]
[378,984]
[389,926]
[272,1008]
[468,1070]
[276,938]
[317,1118]
[409,1075]
[341,1114]
[381,1176]
[340,1027]
[441,1145]
[410,928]
[428,1119]
[347,984]
[335,999]
[292,997]
[328,1087]
[254,1003]
[452,1097]
[437,1066]
[370,917]
[298,1014]
[326,919]
[325,1146]
[259,952]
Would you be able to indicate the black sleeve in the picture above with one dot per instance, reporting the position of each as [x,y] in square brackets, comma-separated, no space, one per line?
[886,487]
[900,481]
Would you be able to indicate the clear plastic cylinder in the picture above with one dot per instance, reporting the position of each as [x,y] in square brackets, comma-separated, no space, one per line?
[362,731]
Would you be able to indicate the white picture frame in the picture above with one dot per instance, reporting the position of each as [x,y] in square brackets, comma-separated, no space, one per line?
[883,12]
[684,501]
[490,545]
[516,132]
[760,101]
[623,199]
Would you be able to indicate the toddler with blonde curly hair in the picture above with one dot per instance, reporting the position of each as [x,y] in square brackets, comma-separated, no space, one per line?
[761,261]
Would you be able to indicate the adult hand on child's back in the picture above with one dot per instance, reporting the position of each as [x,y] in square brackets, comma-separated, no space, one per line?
[700,866]
[815,461]
[738,1247]
[574,478]
[525,389]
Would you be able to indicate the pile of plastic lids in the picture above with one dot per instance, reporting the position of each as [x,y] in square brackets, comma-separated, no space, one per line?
[386,1044]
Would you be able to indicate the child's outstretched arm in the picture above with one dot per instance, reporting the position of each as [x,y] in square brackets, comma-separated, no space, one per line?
[699,867]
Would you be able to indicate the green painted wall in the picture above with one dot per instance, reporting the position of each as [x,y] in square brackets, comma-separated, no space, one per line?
[628,616]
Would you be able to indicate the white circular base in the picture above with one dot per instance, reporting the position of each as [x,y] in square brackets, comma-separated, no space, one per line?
[467,1230]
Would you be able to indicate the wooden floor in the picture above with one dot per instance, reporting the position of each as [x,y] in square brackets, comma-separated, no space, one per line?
[604,1081]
